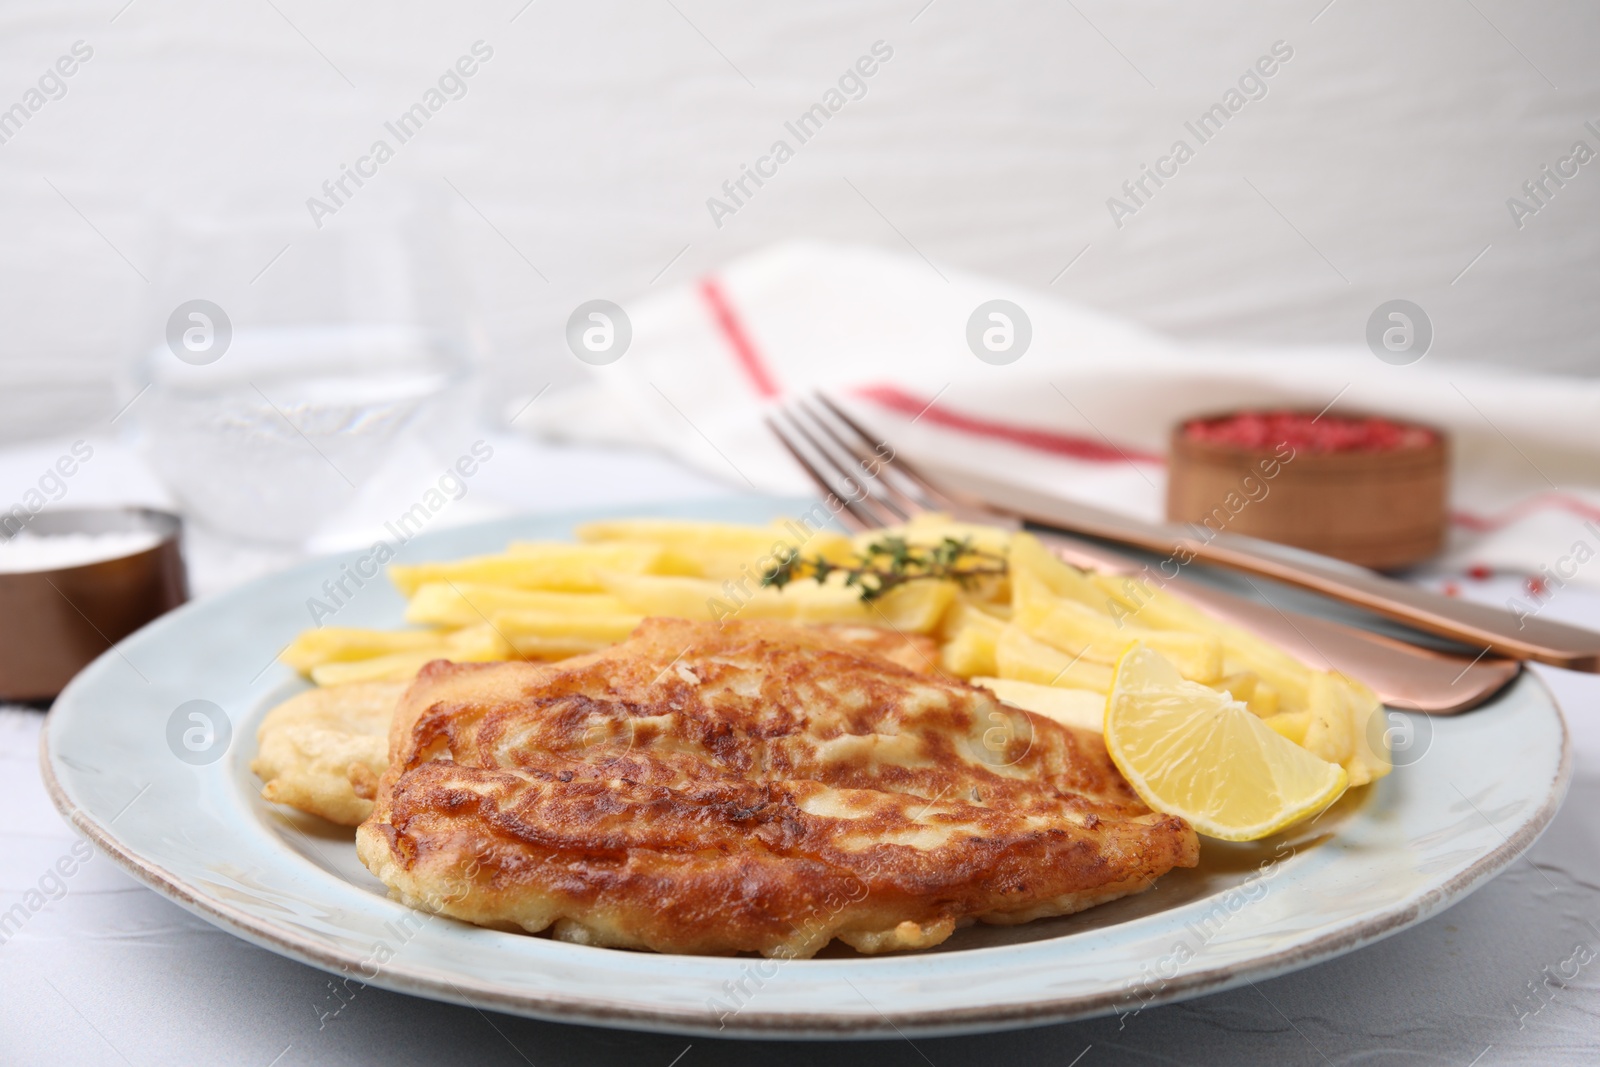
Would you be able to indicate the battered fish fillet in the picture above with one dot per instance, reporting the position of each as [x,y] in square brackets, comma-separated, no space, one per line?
[323,750]
[756,787]
[918,652]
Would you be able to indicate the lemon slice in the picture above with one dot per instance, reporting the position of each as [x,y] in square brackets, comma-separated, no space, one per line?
[1192,751]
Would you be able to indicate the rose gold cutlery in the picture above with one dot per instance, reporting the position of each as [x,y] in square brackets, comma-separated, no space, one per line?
[872,487]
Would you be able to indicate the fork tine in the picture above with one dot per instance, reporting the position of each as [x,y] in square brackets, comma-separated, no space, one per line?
[811,470]
[862,488]
[866,467]
[853,512]
[938,498]
[871,461]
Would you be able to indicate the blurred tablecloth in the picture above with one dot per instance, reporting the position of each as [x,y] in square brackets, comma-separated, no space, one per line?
[113,973]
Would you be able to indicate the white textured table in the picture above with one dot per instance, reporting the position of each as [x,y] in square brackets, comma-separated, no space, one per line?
[107,971]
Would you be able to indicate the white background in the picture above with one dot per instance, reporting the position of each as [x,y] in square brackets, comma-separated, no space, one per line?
[1378,166]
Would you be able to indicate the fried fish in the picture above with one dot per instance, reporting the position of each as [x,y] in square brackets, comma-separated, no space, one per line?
[323,750]
[753,787]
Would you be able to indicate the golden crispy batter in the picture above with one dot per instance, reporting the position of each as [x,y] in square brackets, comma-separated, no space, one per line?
[919,652]
[755,787]
[322,751]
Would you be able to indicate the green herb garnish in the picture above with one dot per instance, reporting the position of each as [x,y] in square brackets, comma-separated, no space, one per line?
[892,562]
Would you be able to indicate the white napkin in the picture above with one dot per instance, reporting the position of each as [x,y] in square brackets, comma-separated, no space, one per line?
[1084,412]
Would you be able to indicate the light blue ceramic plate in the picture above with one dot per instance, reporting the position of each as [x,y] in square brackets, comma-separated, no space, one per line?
[1486,784]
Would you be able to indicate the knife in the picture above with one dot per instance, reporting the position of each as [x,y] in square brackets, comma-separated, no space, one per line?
[1495,630]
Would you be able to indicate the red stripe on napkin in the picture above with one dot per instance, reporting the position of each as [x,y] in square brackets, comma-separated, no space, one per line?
[744,350]
[1523,508]
[1057,444]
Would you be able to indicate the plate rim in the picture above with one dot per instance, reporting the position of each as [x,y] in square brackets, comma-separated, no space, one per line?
[751,1022]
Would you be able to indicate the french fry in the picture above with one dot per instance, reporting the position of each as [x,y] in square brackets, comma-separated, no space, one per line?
[1291,724]
[1030,592]
[695,598]
[1329,735]
[971,651]
[1287,676]
[562,568]
[1000,609]
[1247,687]
[668,560]
[398,667]
[964,612]
[1242,651]
[931,528]
[716,550]
[342,644]
[970,634]
[457,604]
[1067,608]
[1335,728]
[1373,763]
[1026,659]
[807,602]
[1030,557]
[476,644]
[1143,604]
[1080,708]
[1367,755]
[1241,684]
[1076,629]
[915,607]
[535,634]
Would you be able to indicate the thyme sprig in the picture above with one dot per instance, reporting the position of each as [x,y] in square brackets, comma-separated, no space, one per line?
[891,562]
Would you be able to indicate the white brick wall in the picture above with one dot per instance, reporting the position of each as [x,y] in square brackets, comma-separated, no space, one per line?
[991,141]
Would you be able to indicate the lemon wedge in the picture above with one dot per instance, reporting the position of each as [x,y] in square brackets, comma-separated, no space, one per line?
[1192,751]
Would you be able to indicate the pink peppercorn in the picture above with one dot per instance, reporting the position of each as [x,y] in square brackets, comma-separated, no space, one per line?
[1303,431]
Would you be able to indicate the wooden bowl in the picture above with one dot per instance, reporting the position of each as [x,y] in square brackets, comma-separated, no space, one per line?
[1365,489]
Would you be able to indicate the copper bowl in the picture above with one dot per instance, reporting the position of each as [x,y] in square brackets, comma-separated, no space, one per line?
[54,622]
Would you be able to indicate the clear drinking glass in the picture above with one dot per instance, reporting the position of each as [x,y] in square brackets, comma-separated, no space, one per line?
[289,362]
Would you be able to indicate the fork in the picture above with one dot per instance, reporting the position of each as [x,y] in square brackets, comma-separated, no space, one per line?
[868,486]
